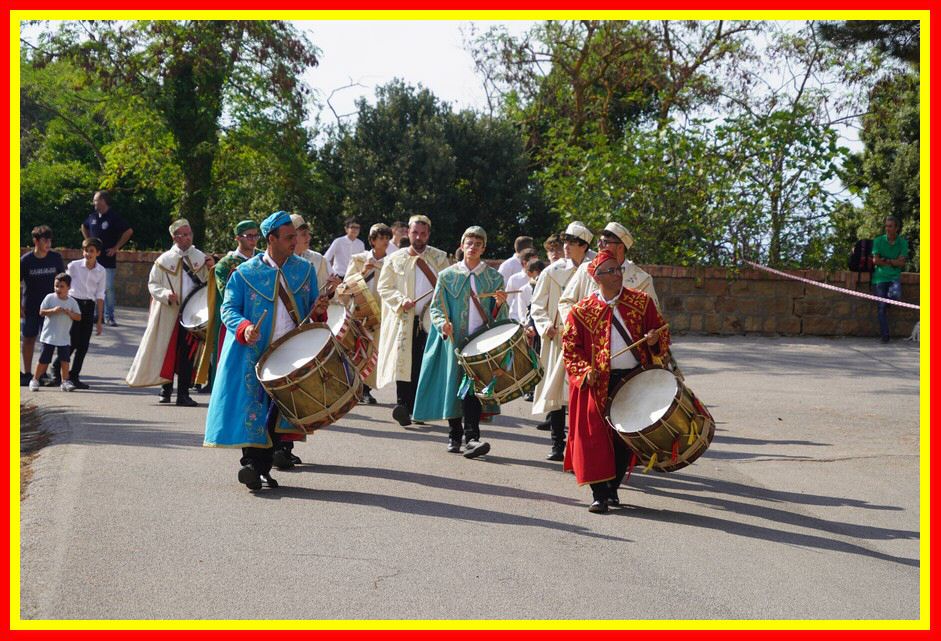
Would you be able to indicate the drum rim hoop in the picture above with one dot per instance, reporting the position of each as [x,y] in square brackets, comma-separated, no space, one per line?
[613,392]
[486,328]
[300,329]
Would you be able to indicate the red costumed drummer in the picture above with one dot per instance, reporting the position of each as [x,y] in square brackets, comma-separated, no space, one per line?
[597,332]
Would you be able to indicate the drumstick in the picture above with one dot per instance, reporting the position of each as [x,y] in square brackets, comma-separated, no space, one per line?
[430,291]
[637,342]
[444,310]
[255,325]
[512,291]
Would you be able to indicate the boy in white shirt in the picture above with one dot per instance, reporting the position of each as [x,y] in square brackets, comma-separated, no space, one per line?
[88,290]
[342,248]
[59,311]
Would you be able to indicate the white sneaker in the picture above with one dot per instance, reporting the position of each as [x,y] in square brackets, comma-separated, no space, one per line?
[33,385]
[67,386]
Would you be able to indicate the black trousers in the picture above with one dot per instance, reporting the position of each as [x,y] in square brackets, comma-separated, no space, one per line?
[405,390]
[260,457]
[557,425]
[80,334]
[469,426]
[622,455]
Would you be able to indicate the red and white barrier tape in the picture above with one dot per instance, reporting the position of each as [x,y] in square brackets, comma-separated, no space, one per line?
[878,299]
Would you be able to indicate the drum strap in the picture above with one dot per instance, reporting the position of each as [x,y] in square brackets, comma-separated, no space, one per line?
[426,270]
[283,295]
[616,324]
[189,271]
[480,308]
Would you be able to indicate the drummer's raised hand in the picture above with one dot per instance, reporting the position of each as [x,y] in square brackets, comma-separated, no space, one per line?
[590,378]
[653,336]
[210,262]
[447,330]
[252,334]
[173,299]
[320,306]
[407,304]
[500,296]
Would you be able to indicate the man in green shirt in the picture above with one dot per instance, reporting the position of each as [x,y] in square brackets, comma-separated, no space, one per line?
[890,253]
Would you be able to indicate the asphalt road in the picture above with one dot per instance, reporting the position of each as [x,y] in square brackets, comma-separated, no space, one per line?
[806,506]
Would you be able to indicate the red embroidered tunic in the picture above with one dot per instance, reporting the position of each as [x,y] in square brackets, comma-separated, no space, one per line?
[586,346]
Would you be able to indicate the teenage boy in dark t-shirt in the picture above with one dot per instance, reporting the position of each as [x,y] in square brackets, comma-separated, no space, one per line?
[38,270]
[113,232]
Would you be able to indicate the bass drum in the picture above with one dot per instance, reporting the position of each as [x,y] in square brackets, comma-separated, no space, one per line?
[660,419]
[500,362]
[194,313]
[309,376]
[360,348]
[360,301]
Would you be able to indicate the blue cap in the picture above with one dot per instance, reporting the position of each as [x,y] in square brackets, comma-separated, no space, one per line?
[274,221]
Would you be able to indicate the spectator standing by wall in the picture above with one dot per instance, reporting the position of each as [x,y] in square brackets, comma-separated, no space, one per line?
[890,252]
[113,231]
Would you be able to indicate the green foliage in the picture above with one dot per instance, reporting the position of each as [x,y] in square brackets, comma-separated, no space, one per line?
[411,154]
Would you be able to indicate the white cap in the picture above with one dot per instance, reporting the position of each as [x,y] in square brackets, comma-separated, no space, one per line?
[621,232]
[298,221]
[578,230]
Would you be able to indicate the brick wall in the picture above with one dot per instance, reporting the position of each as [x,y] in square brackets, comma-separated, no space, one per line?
[695,300]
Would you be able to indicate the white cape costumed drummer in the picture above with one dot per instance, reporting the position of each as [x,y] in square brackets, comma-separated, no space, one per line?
[266,297]
[166,348]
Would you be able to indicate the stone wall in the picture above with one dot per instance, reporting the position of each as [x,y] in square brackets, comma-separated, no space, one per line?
[695,300]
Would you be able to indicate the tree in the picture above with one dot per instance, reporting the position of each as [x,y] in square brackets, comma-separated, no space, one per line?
[411,154]
[899,39]
[194,74]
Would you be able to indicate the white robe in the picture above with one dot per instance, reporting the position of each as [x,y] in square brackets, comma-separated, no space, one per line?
[552,391]
[396,284]
[582,285]
[320,266]
[166,277]
[357,263]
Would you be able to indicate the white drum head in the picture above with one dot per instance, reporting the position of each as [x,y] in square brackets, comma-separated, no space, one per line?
[293,353]
[493,337]
[643,400]
[196,310]
[336,317]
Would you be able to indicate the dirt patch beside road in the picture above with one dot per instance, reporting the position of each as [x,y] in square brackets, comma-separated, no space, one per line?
[32,439]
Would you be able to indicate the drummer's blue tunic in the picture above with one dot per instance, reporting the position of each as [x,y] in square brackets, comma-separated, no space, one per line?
[436,396]
[239,405]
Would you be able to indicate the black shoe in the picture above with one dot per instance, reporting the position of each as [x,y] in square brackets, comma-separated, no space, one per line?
[556,455]
[165,391]
[185,401]
[473,449]
[282,460]
[270,482]
[454,445]
[400,414]
[79,384]
[111,322]
[295,459]
[598,507]
[250,478]
[371,399]
[884,339]
[528,396]
[614,500]
[545,426]
[25,379]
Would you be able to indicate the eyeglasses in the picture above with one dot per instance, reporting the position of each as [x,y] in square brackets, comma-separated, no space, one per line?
[608,241]
[613,270]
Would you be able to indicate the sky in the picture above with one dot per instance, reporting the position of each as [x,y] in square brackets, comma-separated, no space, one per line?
[372,53]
